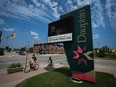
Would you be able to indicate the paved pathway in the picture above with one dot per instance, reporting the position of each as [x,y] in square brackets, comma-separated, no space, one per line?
[10,80]
[106,70]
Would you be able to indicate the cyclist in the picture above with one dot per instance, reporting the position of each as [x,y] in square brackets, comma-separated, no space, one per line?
[33,60]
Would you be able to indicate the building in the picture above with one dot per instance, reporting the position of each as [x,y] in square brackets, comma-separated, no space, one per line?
[48,48]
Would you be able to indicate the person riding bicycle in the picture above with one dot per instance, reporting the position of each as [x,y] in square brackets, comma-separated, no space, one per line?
[31,65]
[33,61]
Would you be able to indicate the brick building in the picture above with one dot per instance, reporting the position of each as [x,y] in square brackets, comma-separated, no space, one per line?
[48,48]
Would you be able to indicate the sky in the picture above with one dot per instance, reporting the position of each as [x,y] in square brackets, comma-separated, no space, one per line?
[29,19]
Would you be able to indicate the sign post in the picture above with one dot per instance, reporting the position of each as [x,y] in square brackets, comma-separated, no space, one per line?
[79,52]
[74,30]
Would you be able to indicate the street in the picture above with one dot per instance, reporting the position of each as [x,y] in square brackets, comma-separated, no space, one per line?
[10,58]
[58,59]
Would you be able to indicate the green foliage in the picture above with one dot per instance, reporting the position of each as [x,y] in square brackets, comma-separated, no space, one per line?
[105,51]
[18,65]
[2,51]
[61,78]
[22,49]
[40,51]
[14,65]
[102,53]
[44,52]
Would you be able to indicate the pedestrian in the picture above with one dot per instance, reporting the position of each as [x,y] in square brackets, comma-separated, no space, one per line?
[50,65]
[50,61]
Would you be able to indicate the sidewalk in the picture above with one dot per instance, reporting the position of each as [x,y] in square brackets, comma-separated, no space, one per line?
[106,70]
[10,80]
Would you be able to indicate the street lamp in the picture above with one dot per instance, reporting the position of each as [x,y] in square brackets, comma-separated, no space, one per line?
[27,50]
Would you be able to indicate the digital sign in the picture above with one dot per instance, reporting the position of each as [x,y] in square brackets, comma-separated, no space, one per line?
[61,30]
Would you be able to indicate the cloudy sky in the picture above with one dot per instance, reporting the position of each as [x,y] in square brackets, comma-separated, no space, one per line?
[29,19]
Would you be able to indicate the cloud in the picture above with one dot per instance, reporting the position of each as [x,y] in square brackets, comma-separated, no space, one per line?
[81,3]
[36,3]
[97,13]
[35,35]
[52,11]
[42,10]
[95,25]
[22,10]
[2,21]
[96,36]
[111,12]
[8,29]
[97,10]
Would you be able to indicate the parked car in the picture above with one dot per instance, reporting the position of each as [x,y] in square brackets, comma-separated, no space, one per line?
[22,53]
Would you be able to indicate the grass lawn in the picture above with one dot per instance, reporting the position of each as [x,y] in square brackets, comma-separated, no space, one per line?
[106,58]
[61,78]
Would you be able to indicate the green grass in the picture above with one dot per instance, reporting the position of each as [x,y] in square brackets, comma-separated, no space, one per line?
[106,58]
[61,78]
[110,58]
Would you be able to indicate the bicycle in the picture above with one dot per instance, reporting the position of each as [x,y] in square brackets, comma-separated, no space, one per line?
[49,67]
[28,67]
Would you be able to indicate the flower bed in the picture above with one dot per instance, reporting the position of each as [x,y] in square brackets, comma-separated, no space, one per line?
[15,67]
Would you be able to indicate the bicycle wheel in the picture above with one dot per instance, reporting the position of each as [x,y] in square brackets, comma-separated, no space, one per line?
[36,66]
[27,69]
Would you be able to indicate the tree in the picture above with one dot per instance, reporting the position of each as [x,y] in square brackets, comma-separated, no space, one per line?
[102,52]
[2,51]
[22,49]
[108,49]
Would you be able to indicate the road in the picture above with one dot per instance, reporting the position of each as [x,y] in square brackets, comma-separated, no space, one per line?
[12,57]
[105,64]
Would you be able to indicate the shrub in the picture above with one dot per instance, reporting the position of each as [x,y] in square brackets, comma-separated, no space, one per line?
[1,51]
[101,53]
[14,65]
[18,65]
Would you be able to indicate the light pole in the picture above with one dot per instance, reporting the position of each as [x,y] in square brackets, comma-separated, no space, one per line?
[27,50]
[46,44]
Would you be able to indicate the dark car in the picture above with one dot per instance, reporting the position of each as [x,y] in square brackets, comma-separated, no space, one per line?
[22,53]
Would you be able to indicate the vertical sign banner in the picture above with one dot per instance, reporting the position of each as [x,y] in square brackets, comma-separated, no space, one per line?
[79,51]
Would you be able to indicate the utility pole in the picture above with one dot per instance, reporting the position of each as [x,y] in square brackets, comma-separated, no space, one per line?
[98,45]
[46,44]
[27,50]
